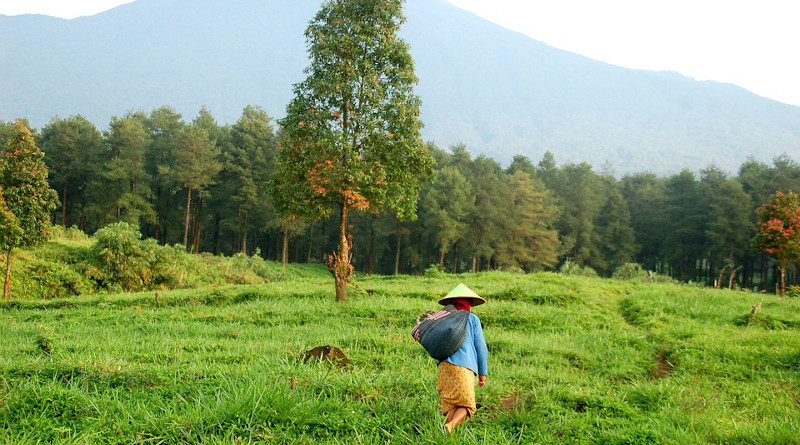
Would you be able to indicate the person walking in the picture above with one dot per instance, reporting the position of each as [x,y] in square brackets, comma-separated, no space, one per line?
[456,374]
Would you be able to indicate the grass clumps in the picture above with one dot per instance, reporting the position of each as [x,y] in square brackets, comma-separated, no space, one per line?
[117,259]
[619,362]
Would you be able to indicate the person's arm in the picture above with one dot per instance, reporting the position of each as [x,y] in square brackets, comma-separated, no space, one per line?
[482,352]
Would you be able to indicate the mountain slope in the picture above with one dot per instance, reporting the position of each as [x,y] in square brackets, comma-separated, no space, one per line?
[498,91]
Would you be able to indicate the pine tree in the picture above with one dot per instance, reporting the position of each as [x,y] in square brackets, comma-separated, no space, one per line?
[127,190]
[73,148]
[529,240]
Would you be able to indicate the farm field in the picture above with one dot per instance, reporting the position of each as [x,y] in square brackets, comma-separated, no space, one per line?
[572,360]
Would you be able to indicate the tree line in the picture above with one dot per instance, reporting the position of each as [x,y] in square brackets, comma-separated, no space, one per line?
[204,185]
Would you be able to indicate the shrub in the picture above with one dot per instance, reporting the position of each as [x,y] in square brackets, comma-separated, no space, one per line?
[254,263]
[433,271]
[73,233]
[570,268]
[47,279]
[123,261]
[630,271]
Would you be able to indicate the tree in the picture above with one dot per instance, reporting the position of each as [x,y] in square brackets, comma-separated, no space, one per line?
[729,224]
[583,197]
[779,231]
[128,138]
[73,148]
[645,196]
[25,196]
[352,129]
[617,239]
[685,223]
[248,163]
[195,169]
[485,213]
[530,241]
[444,206]
[164,124]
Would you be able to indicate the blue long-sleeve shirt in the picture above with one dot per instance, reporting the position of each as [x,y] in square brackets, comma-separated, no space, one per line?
[473,353]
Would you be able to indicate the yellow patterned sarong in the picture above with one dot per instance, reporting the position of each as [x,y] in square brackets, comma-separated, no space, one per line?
[456,386]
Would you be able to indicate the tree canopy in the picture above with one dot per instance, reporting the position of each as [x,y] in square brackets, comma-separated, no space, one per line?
[27,198]
[352,131]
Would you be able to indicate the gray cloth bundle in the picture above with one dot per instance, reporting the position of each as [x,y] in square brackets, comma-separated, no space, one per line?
[441,333]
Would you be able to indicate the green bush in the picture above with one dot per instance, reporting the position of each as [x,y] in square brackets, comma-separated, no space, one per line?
[433,271]
[630,271]
[41,278]
[241,262]
[571,268]
[121,260]
[72,233]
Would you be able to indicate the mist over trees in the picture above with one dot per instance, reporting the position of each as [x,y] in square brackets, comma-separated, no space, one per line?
[473,215]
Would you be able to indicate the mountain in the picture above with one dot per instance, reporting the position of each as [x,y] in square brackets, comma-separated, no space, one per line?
[499,92]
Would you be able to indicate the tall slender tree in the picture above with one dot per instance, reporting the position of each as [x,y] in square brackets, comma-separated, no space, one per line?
[196,167]
[248,163]
[73,147]
[644,194]
[530,241]
[129,191]
[616,236]
[485,213]
[685,224]
[582,197]
[730,222]
[352,130]
[25,196]
[445,206]
[165,125]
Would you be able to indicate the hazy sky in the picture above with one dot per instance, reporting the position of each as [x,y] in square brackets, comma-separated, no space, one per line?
[753,44]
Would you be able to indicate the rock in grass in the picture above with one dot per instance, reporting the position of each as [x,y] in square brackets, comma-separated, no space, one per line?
[327,353]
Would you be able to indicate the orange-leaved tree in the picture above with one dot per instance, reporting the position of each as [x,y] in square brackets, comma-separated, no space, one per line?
[352,132]
[779,231]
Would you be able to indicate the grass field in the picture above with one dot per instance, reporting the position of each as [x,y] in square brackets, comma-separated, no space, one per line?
[572,360]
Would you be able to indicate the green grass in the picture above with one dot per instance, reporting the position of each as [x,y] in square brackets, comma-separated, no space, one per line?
[572,360]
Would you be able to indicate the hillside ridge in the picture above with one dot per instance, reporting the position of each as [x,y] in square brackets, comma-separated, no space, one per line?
[498,91]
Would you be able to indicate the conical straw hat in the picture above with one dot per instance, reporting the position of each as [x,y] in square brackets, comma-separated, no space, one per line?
[462,291]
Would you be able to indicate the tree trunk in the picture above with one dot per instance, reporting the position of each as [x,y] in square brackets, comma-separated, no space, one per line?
[216,233]
[297,248]
[310,241]
[244,232]
[7,287]
[783,279]
[188,217]
[441,259]
[371,262]
[64,208]
[285,249]
[733,275]
[397,254]
[322,243]
[339,263]
[158,213]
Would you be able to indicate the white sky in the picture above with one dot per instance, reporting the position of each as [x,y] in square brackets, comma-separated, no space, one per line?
[750,43]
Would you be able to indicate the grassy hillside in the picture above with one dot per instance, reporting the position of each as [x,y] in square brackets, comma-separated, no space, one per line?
[72,263]
[572,360]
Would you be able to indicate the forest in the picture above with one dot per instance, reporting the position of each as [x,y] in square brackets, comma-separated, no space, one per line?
[204,185]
